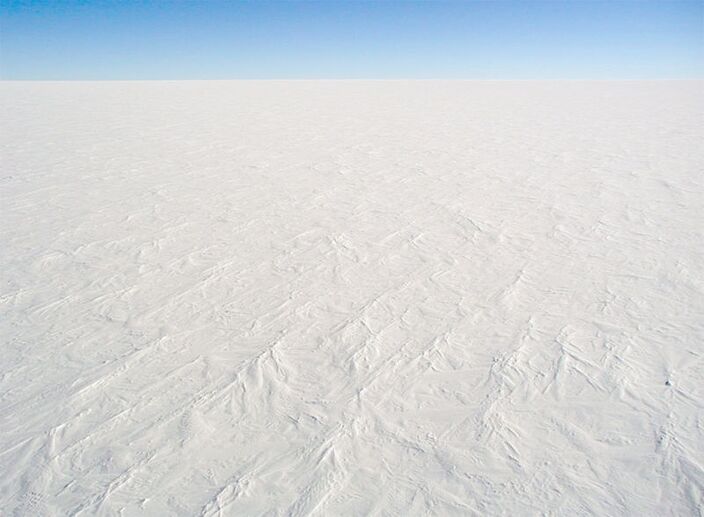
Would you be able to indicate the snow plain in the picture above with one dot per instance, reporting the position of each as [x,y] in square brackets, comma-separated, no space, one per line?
[352,298]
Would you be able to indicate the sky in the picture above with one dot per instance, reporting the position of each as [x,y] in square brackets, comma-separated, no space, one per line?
[339,39]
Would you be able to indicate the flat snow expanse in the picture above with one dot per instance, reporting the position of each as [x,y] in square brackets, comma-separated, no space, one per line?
[352,298]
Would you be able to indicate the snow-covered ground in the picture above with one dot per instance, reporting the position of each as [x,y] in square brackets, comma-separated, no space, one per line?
[352,298]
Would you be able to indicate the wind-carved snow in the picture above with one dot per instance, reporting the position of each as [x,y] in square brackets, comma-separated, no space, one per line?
[352,298]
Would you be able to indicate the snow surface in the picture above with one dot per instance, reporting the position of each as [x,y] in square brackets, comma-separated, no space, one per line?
[352,298]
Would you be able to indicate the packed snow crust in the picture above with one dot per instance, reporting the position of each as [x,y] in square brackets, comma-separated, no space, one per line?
[352,298]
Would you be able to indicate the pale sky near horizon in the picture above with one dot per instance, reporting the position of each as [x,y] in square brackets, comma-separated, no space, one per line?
[295,39]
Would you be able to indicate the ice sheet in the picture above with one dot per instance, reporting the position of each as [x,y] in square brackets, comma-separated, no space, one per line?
[352,298]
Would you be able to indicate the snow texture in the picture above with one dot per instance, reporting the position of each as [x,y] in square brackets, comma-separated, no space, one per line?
[352,298]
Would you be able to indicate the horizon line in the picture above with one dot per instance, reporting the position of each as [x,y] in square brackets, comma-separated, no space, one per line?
[331,79]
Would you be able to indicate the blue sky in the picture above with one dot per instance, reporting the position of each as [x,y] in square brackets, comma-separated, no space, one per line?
[214,39]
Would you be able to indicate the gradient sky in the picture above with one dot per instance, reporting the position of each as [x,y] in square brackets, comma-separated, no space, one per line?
[214,39]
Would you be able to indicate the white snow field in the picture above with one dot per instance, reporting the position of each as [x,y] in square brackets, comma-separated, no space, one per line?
[352,298]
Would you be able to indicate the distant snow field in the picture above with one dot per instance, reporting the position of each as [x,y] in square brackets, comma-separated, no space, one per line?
[352,298]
